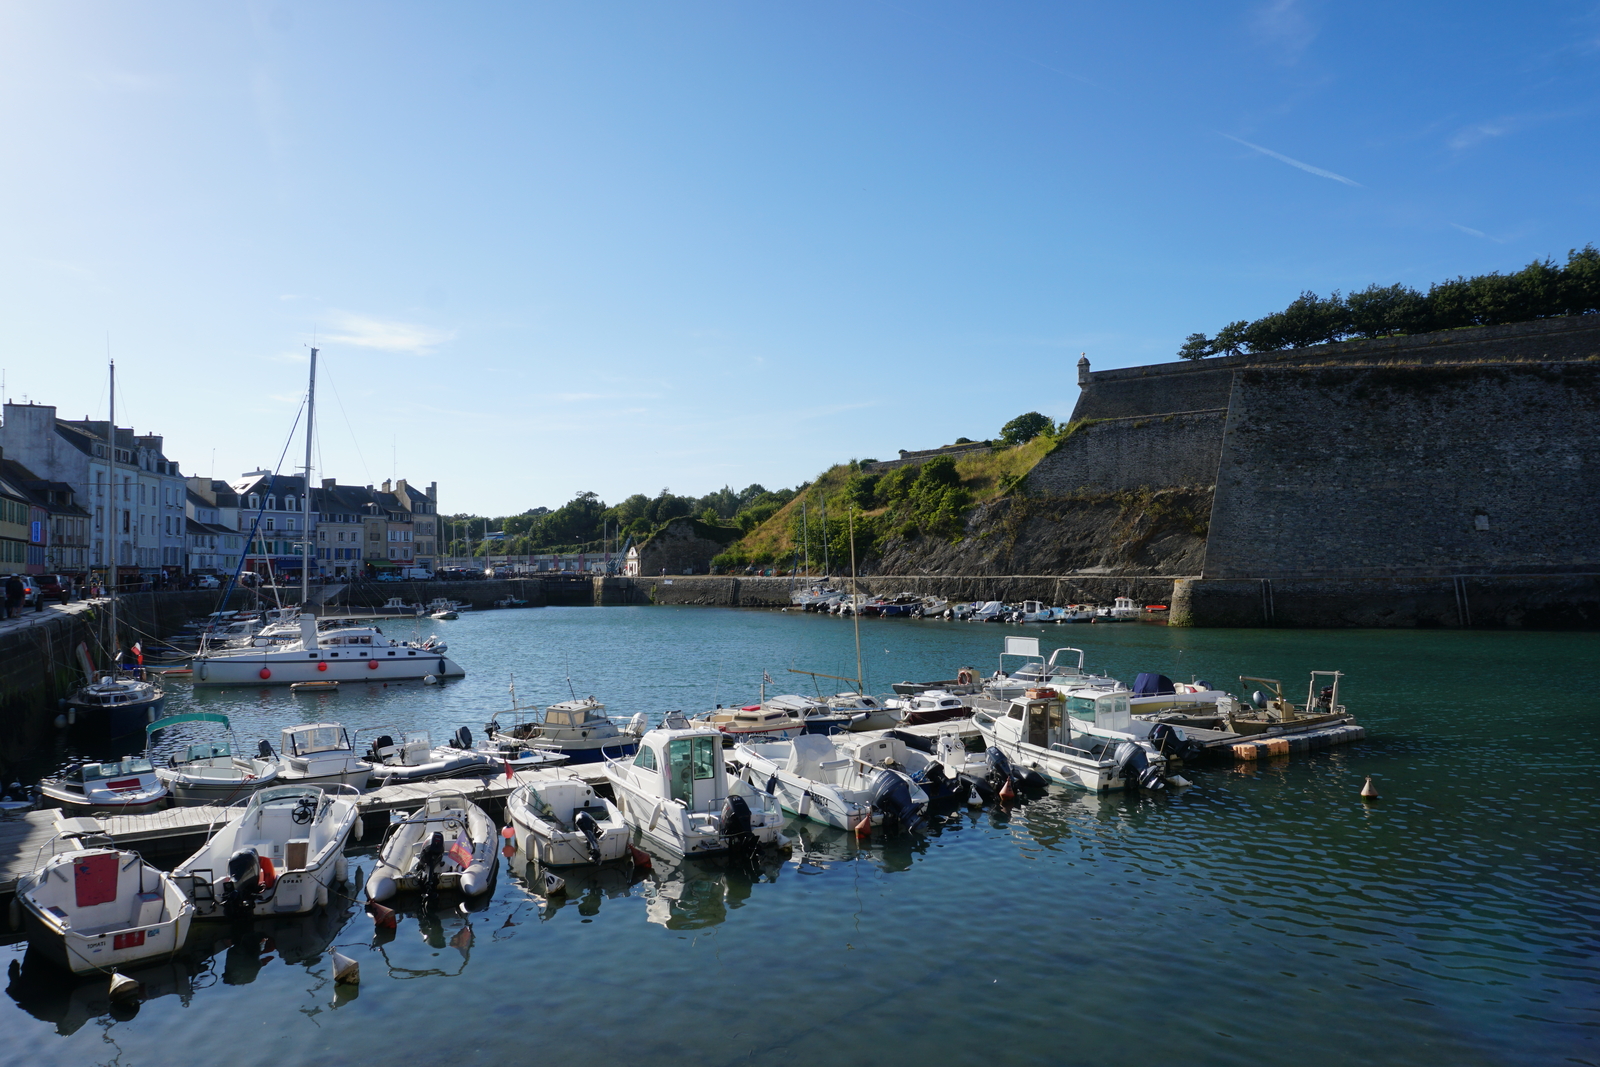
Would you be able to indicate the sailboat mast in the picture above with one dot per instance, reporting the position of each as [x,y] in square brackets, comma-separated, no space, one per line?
[111,510]
[305,497]
[855,600]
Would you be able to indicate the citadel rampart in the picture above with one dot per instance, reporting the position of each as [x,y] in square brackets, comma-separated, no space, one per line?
[1444,479]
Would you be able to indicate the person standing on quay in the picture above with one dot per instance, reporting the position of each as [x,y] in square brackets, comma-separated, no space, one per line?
[14,594]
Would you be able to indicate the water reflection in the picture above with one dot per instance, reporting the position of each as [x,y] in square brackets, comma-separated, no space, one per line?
[231,955]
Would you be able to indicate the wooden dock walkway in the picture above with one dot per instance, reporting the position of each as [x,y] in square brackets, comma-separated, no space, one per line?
[177,832]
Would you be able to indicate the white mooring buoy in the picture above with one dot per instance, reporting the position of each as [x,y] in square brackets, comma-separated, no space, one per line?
[1369,791]
[346,971]
[123,988]
[553,884]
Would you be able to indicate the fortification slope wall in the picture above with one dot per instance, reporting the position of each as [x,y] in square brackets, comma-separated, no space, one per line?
[1161,451]
[1409,471]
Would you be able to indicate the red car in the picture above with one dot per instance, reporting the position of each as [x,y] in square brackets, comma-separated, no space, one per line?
[53,587]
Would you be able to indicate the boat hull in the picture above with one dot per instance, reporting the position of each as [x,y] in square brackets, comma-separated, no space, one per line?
[246,669]
[137,805]
[97,953]
[120,720]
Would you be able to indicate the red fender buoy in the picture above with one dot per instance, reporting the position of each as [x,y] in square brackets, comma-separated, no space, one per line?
[322,666]
[640,857]
[372,664]
[265,673]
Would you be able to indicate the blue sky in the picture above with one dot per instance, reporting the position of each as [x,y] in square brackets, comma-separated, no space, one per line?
[620,247]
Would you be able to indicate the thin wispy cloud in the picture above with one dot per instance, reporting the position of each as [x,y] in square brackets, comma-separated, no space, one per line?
[1478,133]
[1308,168]
[364,331]
[1284,27]
[1478,233]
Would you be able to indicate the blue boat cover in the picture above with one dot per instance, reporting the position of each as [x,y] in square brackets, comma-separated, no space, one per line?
[1151,685]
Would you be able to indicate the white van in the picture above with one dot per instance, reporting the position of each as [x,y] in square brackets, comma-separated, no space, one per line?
[416,574]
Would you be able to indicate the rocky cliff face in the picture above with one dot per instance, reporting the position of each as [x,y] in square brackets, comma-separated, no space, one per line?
[1135,532]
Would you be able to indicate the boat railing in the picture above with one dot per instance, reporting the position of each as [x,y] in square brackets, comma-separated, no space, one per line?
[1072,750]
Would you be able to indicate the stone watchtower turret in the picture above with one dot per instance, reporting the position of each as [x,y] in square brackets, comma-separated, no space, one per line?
[1083,368]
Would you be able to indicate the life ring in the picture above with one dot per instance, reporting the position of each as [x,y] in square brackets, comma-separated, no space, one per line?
[264,673]
[964,676]
[322,666]
[372,664]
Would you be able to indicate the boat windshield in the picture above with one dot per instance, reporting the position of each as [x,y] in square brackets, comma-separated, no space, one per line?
[311,739]
[211,751]
[96,771]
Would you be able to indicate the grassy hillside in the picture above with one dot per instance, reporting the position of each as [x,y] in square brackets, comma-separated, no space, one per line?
[926,500]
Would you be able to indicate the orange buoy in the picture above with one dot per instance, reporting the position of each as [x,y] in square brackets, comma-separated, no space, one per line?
[382,916]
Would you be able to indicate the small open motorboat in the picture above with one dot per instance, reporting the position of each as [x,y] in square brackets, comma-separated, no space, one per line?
[211,773]
[927,708]
[447,846]
[562,822]
[277,856]
[754,722]
[95,910]
[677,791]
[417,759]
[313,687]
[813,778]
[122,787]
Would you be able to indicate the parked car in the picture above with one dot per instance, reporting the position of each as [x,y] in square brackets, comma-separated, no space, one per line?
[54,587]
[207,581]
[30,589]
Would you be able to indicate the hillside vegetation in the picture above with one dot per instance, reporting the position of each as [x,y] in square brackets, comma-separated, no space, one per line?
[927,502]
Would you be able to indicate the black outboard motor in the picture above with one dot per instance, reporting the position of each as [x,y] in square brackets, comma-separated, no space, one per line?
[584,823]
[431,859]
[463,738]
[735,826]
[1135,767]
[1171,744]
[891,797]
[1002,770]
[264,750]
[242,889]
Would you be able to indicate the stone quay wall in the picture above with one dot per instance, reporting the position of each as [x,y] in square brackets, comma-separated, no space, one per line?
[1156,451]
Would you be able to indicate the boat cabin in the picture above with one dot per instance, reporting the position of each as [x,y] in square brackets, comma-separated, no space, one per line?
[575,713]
[688,765]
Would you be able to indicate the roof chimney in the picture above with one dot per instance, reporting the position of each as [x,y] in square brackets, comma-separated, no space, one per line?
[329,483]
[386,484]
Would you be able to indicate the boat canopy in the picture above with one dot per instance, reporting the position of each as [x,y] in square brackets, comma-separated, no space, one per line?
[193,716]
[1151,685]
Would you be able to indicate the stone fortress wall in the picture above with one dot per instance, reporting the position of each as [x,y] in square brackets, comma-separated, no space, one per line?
[1444,479]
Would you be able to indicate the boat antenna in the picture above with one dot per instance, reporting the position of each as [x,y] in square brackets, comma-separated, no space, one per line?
[566,658]
[855,600]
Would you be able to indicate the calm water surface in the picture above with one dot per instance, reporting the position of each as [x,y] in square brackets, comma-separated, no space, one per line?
[1263,916]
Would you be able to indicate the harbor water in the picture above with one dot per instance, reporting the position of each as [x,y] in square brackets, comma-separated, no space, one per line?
[1264,915]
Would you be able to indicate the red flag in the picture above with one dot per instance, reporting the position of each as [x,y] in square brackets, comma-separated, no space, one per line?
[461,851]
[508,767]
[138,652]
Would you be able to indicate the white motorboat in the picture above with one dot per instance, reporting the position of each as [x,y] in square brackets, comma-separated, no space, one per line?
[121,787]
[989,611]
[866,712]
[357,654]
[677,791]
[320,754]
[277,856]
[933,606]
[1122,609]
[210,772]
[1060,672]
[415,758]
[579,729]
[754,722]
[926,708]
[446,846]
[942,768]
[1097,745]
[562,822]
[503,750]
[816,716]
[98,910]
[811,777]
